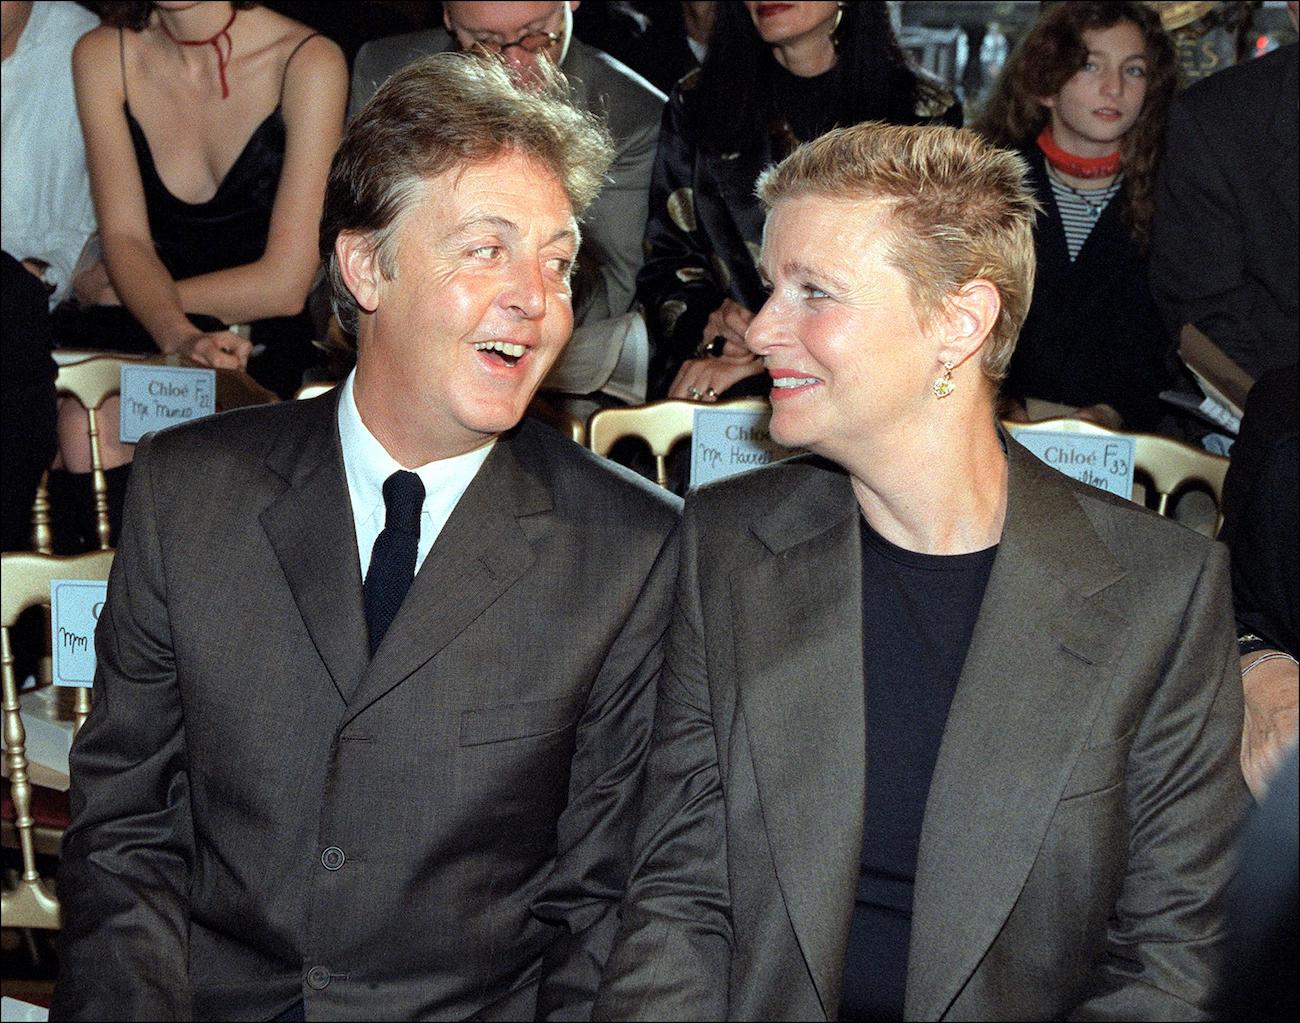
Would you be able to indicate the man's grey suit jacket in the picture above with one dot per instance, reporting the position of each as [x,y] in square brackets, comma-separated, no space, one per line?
[263,813]
[614,225]
[1078,834]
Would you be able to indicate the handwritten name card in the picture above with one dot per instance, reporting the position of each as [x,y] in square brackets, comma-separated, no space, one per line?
[1105,462]
[75,605]
[727,441]
[156,397]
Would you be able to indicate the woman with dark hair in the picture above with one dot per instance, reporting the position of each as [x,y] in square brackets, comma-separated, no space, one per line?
[1084,97]
[776,74]
[209,131]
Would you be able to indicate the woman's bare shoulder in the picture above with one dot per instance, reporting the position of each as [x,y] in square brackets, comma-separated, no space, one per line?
[97,47]
[288,34]
[315,63]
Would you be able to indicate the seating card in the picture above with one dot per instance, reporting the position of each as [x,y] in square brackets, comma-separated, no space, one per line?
[727,441]
[156,397]
[1103,460]
[75,605]
[17,1011]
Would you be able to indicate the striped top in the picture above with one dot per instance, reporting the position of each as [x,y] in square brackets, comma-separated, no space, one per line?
[1081,210]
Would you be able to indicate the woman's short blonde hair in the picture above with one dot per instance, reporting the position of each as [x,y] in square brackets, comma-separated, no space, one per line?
[958,209]
[447,111]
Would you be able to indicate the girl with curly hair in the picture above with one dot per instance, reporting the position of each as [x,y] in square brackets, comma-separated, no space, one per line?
[1084,98]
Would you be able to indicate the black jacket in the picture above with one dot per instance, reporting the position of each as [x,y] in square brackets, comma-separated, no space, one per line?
[1227,226]
[1093,334]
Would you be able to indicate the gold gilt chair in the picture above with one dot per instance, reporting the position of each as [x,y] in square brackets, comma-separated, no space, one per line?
[660,424]
[38,815]
[92,381]
[558,418]
[1169,464]
[92,378]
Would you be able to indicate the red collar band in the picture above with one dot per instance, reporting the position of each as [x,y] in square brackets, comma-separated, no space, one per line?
[1077,166]
[214,41]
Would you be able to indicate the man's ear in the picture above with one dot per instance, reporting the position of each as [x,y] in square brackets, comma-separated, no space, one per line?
[969,316]
[359,265]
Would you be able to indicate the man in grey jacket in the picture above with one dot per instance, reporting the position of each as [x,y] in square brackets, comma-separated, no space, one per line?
[375,676]
[610,340]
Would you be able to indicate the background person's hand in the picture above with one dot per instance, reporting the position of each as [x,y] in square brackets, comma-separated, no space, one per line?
[729,321]
[1270,722]
[710,378]
[219,349]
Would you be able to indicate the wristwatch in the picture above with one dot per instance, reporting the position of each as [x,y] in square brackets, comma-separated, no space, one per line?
[1249,643]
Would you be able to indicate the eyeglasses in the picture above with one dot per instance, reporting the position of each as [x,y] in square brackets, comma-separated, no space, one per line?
[533,42]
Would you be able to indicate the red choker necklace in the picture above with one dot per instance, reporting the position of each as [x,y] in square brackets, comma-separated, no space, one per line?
[1077,166]
[214,41]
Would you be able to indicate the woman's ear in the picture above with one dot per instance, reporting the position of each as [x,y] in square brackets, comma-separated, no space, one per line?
[359,265]
[969,316]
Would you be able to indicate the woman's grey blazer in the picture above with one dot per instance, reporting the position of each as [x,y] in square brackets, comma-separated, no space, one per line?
[1077,838]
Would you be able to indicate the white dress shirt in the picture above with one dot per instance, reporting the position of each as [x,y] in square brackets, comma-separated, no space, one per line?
[45,207]
[367,464]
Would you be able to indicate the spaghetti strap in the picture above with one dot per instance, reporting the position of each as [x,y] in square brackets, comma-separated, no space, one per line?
[121,60]
[293,53]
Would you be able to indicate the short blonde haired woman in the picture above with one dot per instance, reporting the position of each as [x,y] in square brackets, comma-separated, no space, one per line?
[942,734]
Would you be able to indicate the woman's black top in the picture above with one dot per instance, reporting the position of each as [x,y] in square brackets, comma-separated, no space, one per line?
[232,227]
[918,615]
[1093,334]
[705,225]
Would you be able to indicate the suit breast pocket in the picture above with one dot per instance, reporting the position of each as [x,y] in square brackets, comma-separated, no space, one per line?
[482,725]
[1098,768]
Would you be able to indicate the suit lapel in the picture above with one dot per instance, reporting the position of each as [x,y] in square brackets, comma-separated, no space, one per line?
[310,527]
[1037,667]
[798,625]
[480,553]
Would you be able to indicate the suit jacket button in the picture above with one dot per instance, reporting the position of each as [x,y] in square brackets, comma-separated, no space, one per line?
[332,858]
[318,978]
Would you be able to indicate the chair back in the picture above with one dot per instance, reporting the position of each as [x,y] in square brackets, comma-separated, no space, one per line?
[92,377]
[24,583]
[660,424]
[92,381]
[1169,464]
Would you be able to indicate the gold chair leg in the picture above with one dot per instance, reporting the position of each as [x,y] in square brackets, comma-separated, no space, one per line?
[100,482]
[42,537]
[661,471]
[20,789]
[81,709]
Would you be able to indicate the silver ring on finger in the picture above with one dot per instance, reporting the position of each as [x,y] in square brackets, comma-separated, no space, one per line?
[695,393]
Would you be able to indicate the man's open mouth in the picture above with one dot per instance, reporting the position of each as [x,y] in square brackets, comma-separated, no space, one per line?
[506,352]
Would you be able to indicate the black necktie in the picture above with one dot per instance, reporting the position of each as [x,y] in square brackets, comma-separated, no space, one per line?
[392,561]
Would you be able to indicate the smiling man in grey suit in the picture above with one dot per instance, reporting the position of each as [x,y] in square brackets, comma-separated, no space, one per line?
[610,340]
[302,795]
